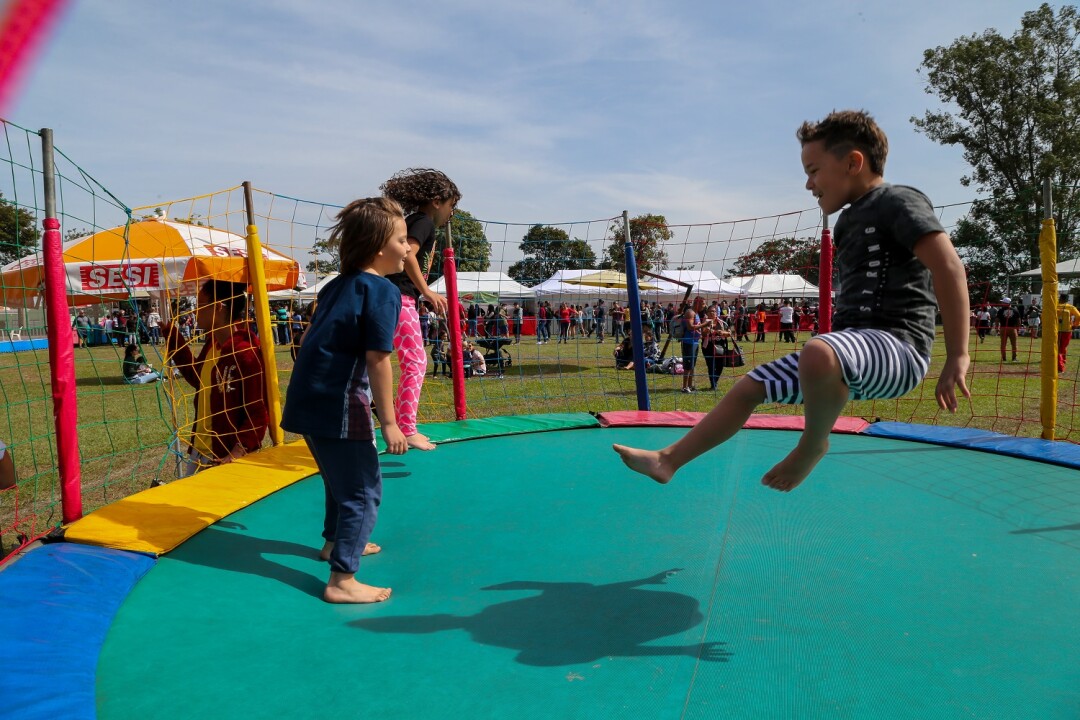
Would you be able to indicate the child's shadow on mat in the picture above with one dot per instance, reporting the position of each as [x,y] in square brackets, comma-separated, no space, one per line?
[573,623]
[220,547]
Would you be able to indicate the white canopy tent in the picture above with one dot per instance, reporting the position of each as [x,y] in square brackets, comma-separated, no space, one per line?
[485,287]
[764,287]
[1065,268]
[307,294]
[705,283]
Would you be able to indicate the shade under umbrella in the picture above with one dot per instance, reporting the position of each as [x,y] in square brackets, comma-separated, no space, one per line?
[608,279]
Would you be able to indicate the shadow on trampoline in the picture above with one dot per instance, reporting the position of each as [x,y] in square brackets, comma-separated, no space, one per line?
[228,548]
[572,623]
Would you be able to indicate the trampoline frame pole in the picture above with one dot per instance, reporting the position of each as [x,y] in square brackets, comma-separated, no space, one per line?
[453,328]
[636,328]
[825,268]
[1049,367]
[61,348]
[257,278]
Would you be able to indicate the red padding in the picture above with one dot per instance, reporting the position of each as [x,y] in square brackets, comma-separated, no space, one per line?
[630,418]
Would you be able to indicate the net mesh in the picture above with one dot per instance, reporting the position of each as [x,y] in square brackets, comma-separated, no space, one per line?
[536,339]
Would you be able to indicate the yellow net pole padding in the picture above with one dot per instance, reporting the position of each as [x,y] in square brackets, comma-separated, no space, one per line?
[257,274]
[1049,369]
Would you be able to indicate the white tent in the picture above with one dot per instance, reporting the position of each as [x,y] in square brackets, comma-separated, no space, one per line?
[705,283]
[764,287]
[1065,268]
[554,289]
[307,294]
[485,287]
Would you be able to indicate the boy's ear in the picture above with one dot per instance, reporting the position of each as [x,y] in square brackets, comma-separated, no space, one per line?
[856,161]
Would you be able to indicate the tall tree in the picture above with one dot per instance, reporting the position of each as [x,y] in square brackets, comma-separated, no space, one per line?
[547,250]
[1013,105]
[650,235]
[785,256]
[472,251]
[326,258]
[19,234]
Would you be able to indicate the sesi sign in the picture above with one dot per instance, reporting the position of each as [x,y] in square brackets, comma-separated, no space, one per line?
[142,276]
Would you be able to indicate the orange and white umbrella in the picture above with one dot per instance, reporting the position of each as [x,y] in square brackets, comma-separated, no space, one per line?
[154,255]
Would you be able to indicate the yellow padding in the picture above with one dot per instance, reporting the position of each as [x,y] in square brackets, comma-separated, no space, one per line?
[159,519]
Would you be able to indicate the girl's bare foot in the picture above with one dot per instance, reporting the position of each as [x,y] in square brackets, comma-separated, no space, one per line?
[420,442]
[369,549]
[793,469]
[646,462]
[344,588]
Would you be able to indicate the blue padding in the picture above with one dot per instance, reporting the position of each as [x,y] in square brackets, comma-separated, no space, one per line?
[58,603]
[8,346]
[1057,453]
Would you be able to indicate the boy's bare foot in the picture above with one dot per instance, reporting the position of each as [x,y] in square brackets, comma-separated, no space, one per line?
[646,462]
[344,588]
[793,469]
[420,442]
[369,549]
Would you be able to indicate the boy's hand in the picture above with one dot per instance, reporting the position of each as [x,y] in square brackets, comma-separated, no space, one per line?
[953,375]
[395,440]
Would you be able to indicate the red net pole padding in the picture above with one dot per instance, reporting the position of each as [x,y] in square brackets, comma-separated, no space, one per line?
[23,25]
[62,371]
[825,277]
[453,327]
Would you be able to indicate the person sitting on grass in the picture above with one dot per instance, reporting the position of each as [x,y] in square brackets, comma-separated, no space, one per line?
[136,370]
[883,329]
[624,355]
[479,365]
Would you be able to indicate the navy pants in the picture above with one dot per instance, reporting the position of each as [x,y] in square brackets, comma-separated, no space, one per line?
[353,484]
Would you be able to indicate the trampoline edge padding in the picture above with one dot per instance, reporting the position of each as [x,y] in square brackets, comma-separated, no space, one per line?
[62,599]
[1048,451]
[679,418]
[459,430]
[157,520]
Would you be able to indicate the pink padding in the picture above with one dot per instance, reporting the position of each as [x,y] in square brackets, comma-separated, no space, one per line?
[630,418]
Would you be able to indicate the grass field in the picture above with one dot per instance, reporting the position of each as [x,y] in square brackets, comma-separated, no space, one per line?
[125,431]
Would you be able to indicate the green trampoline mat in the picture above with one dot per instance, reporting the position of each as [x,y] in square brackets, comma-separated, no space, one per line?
[535,577]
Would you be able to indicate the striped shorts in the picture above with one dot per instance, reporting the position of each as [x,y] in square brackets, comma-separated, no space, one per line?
[875,364]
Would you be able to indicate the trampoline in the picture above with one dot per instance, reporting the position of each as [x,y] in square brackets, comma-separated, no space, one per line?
[535,577]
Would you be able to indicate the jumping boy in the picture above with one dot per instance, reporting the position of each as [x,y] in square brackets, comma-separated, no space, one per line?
[893,257]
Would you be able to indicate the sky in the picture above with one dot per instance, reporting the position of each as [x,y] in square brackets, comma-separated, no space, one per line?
[542,112]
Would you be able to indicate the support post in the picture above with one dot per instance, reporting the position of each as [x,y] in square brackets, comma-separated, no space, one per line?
[1049,370]
[257,278]
[61,348]
[825,270]
[453,327]
[636,335]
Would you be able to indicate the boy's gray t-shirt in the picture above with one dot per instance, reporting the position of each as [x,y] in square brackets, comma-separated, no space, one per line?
[882,285]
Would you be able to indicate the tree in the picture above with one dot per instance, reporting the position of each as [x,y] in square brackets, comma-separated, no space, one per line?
[19,234]
[326,258]
[785,256]
[649,234]
[547,250]
[472,251]
[1017,118]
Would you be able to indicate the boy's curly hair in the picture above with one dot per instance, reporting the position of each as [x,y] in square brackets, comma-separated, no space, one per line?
[416,187]
[845,130]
